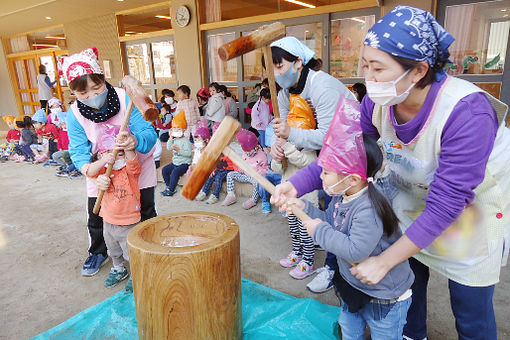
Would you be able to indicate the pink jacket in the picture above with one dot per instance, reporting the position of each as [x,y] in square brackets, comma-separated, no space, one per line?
[257,161]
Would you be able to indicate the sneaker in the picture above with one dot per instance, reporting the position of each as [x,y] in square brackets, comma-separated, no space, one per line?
[49,162]
[40,158]
[167,192]
[93,263]
[291,260]
[229,200]
[248,204]
[302,270]
[212,199]
[62,173]
[129,286]
[323,281]
[20,159]
[266,207]
[74,174]
[201,196]
[115,277]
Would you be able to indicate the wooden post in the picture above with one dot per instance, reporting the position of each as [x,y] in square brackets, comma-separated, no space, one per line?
[186,276]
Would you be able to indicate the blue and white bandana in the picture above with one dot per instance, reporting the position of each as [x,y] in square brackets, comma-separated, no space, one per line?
[411,33]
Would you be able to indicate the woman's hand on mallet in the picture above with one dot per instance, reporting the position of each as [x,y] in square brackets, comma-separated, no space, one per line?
[281,128]
[125,141]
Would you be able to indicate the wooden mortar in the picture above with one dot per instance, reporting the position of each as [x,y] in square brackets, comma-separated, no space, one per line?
[187,276]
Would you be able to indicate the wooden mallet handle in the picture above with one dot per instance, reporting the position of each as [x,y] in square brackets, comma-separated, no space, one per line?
[108,173]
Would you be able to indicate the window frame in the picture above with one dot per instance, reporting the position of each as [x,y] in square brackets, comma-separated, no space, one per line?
[504,77]
[153,87]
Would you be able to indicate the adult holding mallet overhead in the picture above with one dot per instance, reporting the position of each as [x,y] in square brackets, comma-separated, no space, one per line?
[446,145]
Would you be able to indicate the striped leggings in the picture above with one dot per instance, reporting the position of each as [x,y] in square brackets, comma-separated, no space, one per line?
[237,176]
[302,243]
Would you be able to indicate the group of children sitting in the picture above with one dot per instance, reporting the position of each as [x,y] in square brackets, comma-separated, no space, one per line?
[41,138]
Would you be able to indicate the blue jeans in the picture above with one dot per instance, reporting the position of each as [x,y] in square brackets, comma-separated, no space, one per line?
[273,178]
[171,174]
[262,137]
[386,321]
[220,175]
[472,307]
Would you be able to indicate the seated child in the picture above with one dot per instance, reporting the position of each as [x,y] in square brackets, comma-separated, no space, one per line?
[12,139]
[201,138]
[120,207]
[48,132]
[164,122]
[54,117]
[215,111]
[271,176]
[181,159]
[301,257]
[62,157]
[260,115]
[28,140]
[223,168]
[202,99]
[190,108]
[256,157]
[358,224]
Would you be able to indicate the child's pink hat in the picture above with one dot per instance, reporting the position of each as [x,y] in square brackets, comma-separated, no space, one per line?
[343,151]
[203,133]
[247,139]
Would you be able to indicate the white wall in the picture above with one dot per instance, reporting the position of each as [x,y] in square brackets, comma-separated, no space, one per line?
[7,100]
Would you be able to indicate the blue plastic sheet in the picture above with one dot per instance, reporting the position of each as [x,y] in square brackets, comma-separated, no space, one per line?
[267,314]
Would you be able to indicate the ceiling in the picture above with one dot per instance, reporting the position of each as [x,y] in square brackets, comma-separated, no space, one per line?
[14,13]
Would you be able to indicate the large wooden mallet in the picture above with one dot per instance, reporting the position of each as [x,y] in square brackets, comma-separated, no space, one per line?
[146,107]
[212,152]
[261,38]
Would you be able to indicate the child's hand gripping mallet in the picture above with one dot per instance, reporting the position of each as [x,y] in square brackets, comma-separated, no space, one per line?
[146,107]
[261,38]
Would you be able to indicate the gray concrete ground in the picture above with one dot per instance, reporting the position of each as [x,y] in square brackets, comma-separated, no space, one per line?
[43,243]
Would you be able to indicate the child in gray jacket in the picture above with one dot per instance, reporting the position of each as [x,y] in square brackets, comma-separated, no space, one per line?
[359,223]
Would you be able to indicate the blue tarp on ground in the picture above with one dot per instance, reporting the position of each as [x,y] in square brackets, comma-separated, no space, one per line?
[267,314]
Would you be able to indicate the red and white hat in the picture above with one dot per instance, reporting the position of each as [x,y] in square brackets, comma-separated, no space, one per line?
[79,64]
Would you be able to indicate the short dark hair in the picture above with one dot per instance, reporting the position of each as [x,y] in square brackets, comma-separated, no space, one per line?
[216,86]
[20,125]
[167,108]
[169,92]
[360,89]
[80,83]
[265,81]
[42,69]
[27,122]
[279,54]
[184,89]
[430,76]
[265,93]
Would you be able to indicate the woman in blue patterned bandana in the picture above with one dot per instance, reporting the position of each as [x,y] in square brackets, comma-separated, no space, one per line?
[446,146]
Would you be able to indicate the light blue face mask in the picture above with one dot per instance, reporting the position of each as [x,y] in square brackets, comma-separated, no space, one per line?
[287,79]
[97,101]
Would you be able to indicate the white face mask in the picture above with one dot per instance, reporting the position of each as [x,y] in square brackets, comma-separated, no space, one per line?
[169,100]
[56,110]
[177,134]
[329,190]
[199,145]
[385,92]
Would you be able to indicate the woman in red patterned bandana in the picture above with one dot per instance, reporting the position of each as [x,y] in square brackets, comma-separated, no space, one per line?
[99,103]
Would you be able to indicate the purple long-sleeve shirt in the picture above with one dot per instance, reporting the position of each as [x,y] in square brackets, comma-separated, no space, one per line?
[466,143]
